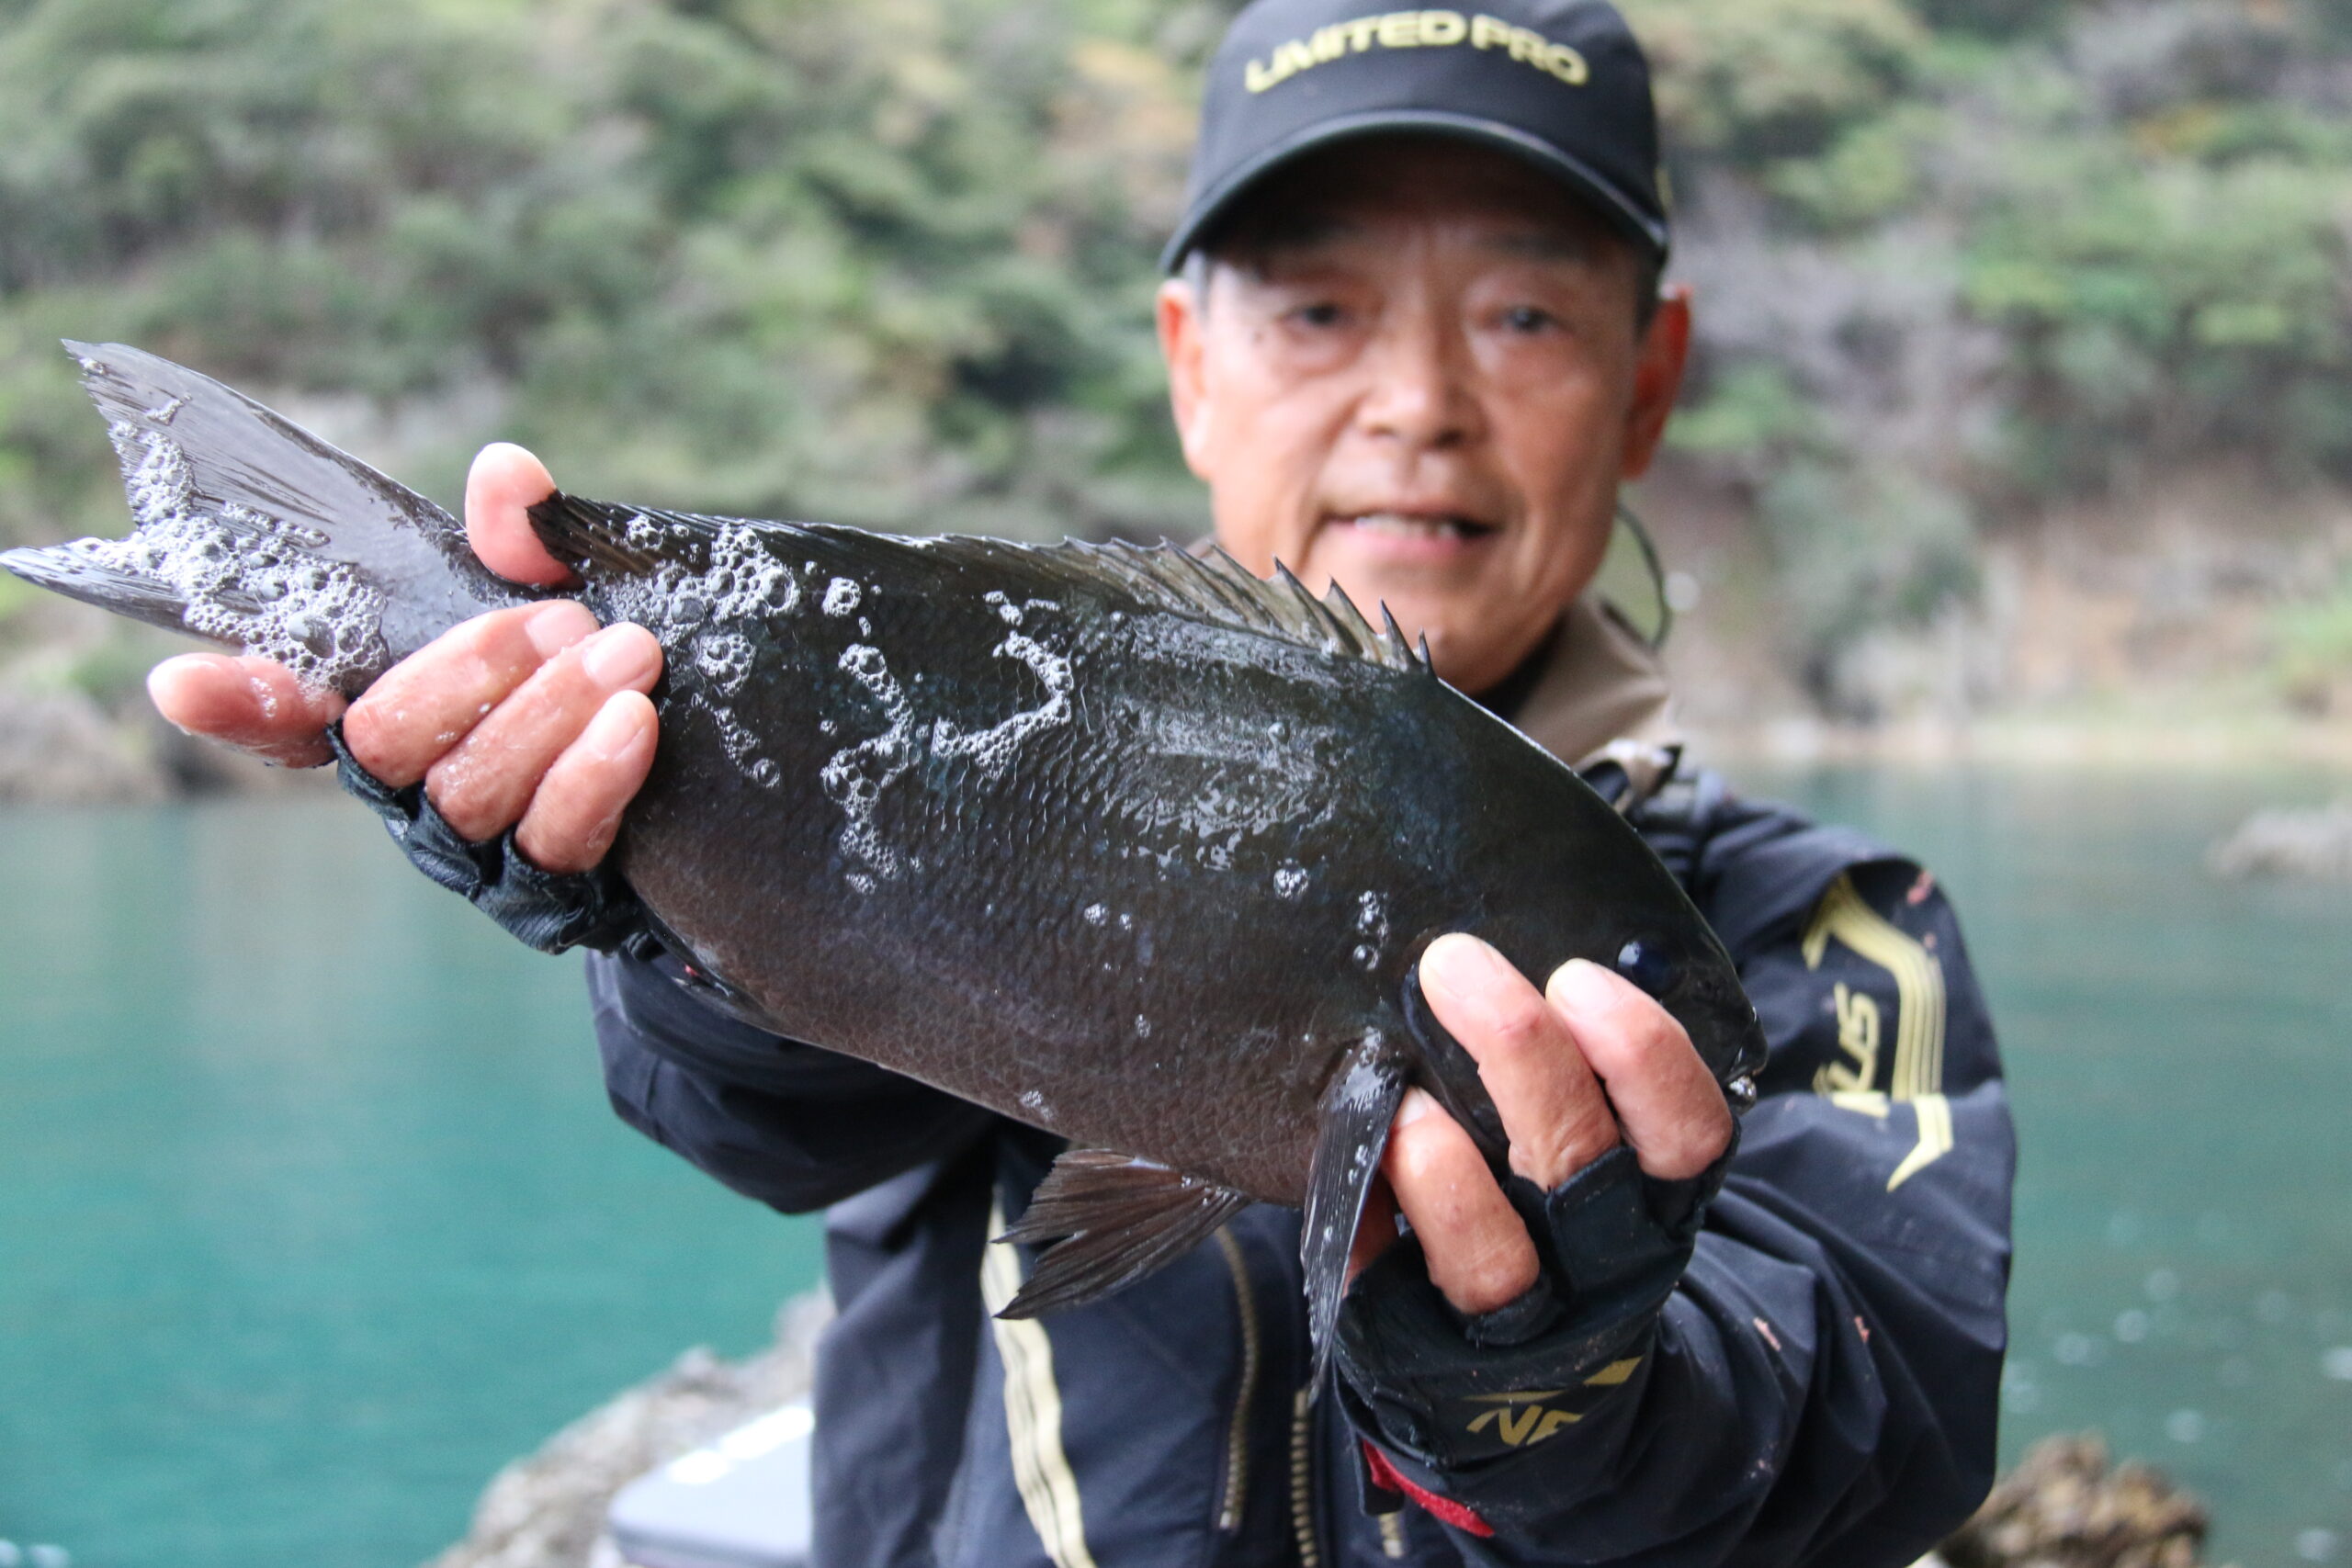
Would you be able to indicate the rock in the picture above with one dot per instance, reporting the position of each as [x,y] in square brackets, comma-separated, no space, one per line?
[2063,1507]
[547,1510]
[2315,843]
[60,748]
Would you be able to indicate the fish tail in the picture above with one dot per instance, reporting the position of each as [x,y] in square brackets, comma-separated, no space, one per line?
[250,532]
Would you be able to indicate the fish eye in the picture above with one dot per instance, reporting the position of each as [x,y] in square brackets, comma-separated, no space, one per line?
[1650,964]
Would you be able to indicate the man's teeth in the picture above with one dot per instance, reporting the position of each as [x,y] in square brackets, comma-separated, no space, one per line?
[1407,525]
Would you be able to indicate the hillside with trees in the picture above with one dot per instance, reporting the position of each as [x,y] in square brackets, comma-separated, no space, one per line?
[1963,265]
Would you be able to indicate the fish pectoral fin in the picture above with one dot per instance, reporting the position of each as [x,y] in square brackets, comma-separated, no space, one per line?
[1112,1219]
[1357,1108]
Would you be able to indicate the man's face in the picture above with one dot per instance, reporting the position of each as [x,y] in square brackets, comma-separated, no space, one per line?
[1417,372]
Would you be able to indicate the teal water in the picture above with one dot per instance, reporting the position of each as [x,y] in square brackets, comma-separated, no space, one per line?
[311,1213]
[2180,1055]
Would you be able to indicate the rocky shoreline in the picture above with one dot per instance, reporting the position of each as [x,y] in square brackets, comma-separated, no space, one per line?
[2065,1505]
[546,1509]
[2314,845]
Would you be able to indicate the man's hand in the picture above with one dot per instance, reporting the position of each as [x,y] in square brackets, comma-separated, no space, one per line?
[1545,1057]
[530,719]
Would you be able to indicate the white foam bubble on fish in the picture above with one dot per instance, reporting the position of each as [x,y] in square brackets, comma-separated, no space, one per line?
[856,776]
[991,749]
[244,577]
[1372,924]
[1010,614]
[703,617]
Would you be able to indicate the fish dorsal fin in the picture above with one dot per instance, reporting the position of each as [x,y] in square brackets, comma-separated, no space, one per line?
[1217,588]
[1210,586]
[592,536]
[1111,1219]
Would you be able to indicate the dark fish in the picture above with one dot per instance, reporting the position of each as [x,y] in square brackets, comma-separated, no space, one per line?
[1125,843]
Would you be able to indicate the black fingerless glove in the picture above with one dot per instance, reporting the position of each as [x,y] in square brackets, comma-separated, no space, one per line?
[545,910]
[1451,1391]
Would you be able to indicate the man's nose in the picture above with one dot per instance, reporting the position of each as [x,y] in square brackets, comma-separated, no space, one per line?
[1418,393]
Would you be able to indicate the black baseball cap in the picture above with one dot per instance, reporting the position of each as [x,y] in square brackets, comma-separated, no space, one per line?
[1561,83]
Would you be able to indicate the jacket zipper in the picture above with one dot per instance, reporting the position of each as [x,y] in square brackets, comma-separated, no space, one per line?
[1237,1437]
[1302,1479]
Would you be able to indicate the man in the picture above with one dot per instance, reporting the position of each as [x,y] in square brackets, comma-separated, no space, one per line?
[1414,344]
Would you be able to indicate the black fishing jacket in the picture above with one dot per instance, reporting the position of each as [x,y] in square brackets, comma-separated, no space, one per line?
[1819,1386]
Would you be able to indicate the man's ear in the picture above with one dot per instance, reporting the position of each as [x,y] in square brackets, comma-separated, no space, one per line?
[1183,327]
[1658,378]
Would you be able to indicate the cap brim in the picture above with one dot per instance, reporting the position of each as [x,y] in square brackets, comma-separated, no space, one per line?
[1638,226]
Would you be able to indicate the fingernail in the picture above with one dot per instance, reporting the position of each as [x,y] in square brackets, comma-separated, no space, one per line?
[1580,985]
[1418,1104]
[1466,971]
[554,627]
[621,656]
[614,731]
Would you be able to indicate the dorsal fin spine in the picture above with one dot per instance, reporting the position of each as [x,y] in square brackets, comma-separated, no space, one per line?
[1210,589]
[1343,637]
[1343,610]
[1310,615]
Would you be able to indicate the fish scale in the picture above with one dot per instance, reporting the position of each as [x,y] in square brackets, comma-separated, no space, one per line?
[1125,843]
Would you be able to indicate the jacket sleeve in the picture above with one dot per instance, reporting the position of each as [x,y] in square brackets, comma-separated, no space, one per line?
[1821,1386]
[793,1125]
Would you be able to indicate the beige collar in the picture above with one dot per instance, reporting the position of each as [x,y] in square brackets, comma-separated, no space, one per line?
[1599,682]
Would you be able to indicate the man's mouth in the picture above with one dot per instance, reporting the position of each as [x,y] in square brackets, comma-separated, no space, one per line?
[1417,526]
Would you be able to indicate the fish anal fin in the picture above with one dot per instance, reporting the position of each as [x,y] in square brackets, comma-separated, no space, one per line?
[1112,1219]
[1358,1106]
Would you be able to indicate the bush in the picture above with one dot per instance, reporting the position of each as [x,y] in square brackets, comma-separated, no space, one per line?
[893,266]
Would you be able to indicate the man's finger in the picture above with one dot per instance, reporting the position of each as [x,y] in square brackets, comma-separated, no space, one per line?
[1669,1104]
[1553,1110]
[577,809]
[430,701]
[503,483]
[1476,1246]
[487,780]
[253,704]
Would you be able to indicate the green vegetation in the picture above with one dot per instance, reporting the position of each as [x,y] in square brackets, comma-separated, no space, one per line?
[891,263]
[1958,259]
[885,263]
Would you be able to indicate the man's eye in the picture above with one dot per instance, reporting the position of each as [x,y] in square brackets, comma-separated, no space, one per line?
[1529,319]
[1323,313]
